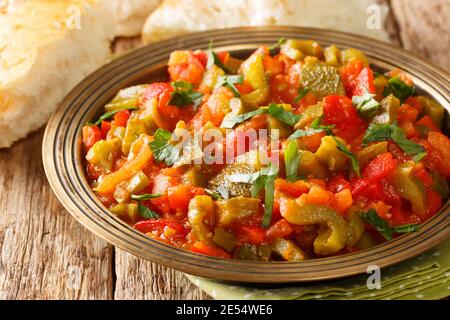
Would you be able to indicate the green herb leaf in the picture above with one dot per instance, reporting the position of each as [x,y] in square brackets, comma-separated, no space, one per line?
[230,81]
[305,133]
[264,179]
[398,88]
[406,228]
[213,194]
[292,159]
[162,149]
[383,227]
[317,124]
[285,116]
[213,59]
[147,213]
[273,48]
[183,95]
[366,105]
[146,196]
[381,132]
[231,122]
[111,114]
[377,132]
[409,147]
[349,154]
[302,92]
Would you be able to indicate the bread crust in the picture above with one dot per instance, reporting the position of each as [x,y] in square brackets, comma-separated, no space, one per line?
[131,15]
[43,55]
[176,17]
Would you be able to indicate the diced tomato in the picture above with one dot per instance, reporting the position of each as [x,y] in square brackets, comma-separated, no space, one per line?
[440,152]
[316,195]
[434,202]
[415,103]
[202,57]
[428,122]
[179,197]
[202,248]
[349,73]
[91,134]
[382,209]
[343,200]
[160,227]
[105,127]
[161,184]
[223,56]
[401,216]
[244,88]
[406,112]
[272,65]
[279,229]
[338,183]
[339,110]
[380,167]
[280,89]
[409,128]
[121,118]
[250,234]
[364,83]
[184,66]
[294,189]
[421,173]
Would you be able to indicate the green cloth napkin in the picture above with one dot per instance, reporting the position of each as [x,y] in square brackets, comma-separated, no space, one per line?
[424,277]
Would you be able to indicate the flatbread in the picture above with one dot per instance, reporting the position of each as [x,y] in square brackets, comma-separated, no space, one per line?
[177,17]
[46,48]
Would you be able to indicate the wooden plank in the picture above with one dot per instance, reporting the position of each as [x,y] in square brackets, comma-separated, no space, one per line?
[424,28]
[45,253]
[137,278]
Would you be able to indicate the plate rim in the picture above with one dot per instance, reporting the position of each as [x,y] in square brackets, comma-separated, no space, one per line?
[205,266]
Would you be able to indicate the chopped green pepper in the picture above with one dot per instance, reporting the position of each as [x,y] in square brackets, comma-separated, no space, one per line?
[356,227]
[321,79]
[288,250]
[410,187]
[137,183]
[330,155]
[368,153]
[237,208]
[253,252]
[102,153]
[433,109]
[332,56]
[200,213]
[351,54]
[311,166]
[332,233]
[224,239]
[255,75]
[126,98]
[135,127]
[388,111]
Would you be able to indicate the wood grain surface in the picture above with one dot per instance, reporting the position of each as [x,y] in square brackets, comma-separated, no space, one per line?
[46,254]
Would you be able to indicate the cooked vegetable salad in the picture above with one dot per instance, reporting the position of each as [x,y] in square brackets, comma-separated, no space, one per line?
[343,157]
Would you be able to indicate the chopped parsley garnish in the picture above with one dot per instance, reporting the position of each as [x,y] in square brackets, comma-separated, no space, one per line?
[305,133]
[213,59]
[342,147]
[111,114]
[213,194]
[264,179]
[162,149]
[146,212]
[273,48]
[302,92]
[381,132]
[382,226]
[229,82]
[184,95]
[398,88]
[231,122]
[146,196]
[292,158]
[366,105]
[279,113]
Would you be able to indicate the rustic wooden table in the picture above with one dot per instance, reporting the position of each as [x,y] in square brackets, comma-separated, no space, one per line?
[46,254]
